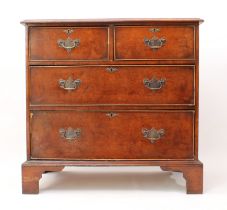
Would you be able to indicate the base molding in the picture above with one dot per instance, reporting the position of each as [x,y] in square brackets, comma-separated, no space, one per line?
[32,170]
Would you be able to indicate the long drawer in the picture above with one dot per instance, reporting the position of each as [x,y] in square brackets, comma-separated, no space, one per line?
[155,85]
[75,43]
[154,43]
[112,135]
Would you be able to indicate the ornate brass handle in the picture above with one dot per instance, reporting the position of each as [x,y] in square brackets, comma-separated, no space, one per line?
[152,134]
[70,133]
[68,44]
[154,84]
[154,43]
[69,84]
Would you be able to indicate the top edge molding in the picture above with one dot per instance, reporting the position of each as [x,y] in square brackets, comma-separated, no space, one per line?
[111,21]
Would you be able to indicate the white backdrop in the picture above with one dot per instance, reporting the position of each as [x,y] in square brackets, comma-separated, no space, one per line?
[114,188]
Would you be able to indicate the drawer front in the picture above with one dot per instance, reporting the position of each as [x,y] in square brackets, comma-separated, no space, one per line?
[68,43]
[157,85]
[154,43]
[121,135]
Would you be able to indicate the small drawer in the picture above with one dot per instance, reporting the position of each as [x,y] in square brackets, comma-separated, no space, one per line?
[79,135]
[140,85]
[154,43]
[81,43]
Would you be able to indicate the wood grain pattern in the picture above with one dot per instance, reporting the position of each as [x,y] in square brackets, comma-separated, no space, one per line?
[93,43]
[125,86]
[102,137]
[129,43]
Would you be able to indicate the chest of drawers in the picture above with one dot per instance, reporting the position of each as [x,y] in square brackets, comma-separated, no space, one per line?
[114,92]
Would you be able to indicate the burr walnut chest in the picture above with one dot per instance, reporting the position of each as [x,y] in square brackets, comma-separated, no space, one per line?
[112,92]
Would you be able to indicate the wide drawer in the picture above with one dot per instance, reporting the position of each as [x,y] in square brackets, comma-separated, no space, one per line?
[57,43]
[117,135]
[157,85]
[154,42]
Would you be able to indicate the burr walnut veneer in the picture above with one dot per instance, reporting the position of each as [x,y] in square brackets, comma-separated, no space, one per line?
[112,92]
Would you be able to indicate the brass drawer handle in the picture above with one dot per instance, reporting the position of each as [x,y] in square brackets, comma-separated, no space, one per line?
[154,43]
[70,133]
[69,84]
[68,43]
[154,84]
[152,134]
